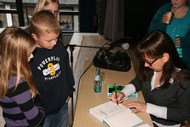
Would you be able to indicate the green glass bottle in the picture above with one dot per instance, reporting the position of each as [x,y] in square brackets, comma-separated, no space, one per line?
[97,81]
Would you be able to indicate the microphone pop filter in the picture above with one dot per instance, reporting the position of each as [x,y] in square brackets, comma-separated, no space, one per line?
[125,46]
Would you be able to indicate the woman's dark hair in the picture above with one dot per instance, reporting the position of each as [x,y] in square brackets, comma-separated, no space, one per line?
[154,45]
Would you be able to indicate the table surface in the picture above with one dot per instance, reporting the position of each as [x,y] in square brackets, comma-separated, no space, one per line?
[87,98]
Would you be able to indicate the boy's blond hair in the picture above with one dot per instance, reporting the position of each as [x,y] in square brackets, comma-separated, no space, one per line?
[44,22]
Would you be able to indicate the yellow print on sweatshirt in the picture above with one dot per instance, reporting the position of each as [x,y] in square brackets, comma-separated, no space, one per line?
[51,69]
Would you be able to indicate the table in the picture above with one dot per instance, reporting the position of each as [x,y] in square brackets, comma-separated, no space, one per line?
[87,98]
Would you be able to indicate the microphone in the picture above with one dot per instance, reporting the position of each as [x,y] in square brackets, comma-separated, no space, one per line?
[124,46]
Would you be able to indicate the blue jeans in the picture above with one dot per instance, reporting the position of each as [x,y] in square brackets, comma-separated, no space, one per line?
[60,119]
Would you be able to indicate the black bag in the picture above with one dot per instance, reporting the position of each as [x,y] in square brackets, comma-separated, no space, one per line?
[119,61]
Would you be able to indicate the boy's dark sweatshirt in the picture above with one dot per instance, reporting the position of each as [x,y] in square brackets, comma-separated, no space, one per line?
[53,76]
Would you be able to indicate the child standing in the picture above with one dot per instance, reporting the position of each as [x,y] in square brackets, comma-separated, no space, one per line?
[51,69]
[53,7]
[17,89]
[50,5]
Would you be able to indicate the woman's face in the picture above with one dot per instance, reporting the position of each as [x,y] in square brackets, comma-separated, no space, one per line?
[156,64]
[52,7]
[178,3]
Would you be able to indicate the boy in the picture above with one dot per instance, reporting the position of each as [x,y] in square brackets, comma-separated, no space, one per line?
[51,69]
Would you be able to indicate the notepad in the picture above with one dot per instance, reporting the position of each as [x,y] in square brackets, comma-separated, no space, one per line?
[115,115]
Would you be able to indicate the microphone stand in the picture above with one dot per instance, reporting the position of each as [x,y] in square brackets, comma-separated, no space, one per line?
[71,48]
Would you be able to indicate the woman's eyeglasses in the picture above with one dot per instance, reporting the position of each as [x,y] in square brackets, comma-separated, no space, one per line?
[150,63]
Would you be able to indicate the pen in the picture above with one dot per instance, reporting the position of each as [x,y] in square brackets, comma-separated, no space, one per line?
[116,93]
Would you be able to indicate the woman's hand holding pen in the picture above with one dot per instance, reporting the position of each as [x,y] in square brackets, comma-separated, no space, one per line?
[137,106]
[119,99]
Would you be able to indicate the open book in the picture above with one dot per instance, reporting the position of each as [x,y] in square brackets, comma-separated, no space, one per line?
[115,115]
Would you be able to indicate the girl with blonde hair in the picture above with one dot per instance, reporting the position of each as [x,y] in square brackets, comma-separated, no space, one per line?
[17,89]
[50,5]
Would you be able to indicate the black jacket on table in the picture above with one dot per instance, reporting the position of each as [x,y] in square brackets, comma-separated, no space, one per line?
[175,98]
[54,78]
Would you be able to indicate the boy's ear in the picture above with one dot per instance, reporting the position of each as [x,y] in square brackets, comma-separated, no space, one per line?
[34,36]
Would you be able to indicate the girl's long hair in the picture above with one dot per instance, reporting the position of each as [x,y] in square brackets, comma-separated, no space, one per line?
[15,47]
